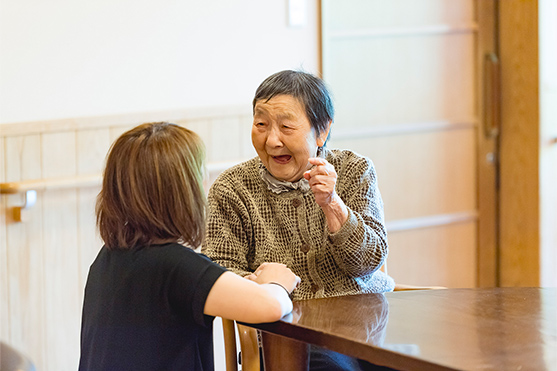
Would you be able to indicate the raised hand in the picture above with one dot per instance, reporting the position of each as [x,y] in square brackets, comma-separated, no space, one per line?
[322,179]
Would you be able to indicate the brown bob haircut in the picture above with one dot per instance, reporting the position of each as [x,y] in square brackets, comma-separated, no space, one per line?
[152,189]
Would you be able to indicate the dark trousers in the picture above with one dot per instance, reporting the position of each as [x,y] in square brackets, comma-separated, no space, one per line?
[321,359]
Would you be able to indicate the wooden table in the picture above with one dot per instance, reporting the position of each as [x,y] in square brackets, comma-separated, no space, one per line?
[454,329]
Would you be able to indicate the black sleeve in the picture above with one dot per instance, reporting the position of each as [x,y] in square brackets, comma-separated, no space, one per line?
[194,277]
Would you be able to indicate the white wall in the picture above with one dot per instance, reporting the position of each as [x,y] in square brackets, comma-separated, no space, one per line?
[79,58]
[74,58]
[548,152]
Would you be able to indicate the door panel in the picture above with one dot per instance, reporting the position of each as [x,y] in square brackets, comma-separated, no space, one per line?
[365,14]
[393,80]
[427,256]
[403,76]
[425,182]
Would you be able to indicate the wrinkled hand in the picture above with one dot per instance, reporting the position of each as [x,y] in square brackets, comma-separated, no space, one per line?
[275,272]
[322,179]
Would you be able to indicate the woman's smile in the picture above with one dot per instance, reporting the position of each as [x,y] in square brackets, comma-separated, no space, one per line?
[283,159]
[283,137]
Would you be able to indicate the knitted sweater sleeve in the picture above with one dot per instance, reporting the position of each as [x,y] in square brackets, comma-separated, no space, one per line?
[228,234]
[360,246]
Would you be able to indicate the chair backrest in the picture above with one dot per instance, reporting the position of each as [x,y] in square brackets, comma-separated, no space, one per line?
[230,349]
[249,346]
[13,360]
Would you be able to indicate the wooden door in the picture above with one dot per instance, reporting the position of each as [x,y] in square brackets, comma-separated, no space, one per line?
[404,78]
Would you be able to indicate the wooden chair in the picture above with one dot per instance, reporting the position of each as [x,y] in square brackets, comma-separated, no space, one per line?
[249,345]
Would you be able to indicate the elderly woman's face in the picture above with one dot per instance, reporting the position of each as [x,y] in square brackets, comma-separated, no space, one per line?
[283,137]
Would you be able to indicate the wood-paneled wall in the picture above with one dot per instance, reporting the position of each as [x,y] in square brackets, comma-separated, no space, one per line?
[44,260]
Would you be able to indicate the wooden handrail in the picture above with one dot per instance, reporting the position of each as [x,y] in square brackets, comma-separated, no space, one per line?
[80,181]
[29,188]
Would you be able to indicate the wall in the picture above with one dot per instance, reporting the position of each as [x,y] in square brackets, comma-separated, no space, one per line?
[75,74]
[44,260]
[548,141]
[72,58]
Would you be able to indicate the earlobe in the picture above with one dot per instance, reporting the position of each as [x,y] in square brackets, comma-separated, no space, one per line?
[323,136]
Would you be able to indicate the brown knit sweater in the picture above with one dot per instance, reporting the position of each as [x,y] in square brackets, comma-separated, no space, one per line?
[249,225]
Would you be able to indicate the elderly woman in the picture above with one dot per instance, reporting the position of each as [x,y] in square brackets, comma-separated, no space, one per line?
[317,210]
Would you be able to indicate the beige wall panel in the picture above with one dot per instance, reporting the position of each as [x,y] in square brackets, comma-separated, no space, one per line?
[116,131]
[548,152]
[25,253]
[4,302]
[201,128]
[363,14]
[427,79]
[23,158]
[226,141]
[548,186]
[247,149]
[62,288]
[548,253]
[446,256]
[2,159]
[92,147]
[89,241]
[230,139]
[435,171]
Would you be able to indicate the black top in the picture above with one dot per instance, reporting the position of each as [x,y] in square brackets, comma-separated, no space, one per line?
[143,310]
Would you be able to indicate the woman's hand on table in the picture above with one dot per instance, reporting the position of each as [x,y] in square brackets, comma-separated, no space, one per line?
[277,273]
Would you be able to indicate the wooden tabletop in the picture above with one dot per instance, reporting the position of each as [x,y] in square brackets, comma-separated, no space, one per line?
[454,329]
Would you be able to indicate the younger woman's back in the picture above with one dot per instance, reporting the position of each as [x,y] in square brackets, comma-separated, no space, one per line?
[141,303]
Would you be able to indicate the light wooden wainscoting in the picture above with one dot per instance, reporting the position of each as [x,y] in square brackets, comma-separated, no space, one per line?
[44,261]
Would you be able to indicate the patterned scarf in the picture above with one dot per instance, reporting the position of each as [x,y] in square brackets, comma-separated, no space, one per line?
[279,186]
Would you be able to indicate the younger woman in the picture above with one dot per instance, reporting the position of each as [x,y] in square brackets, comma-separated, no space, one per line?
[150,299]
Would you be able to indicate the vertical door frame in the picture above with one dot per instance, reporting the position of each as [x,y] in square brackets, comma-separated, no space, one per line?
[488,108]
[519,195]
